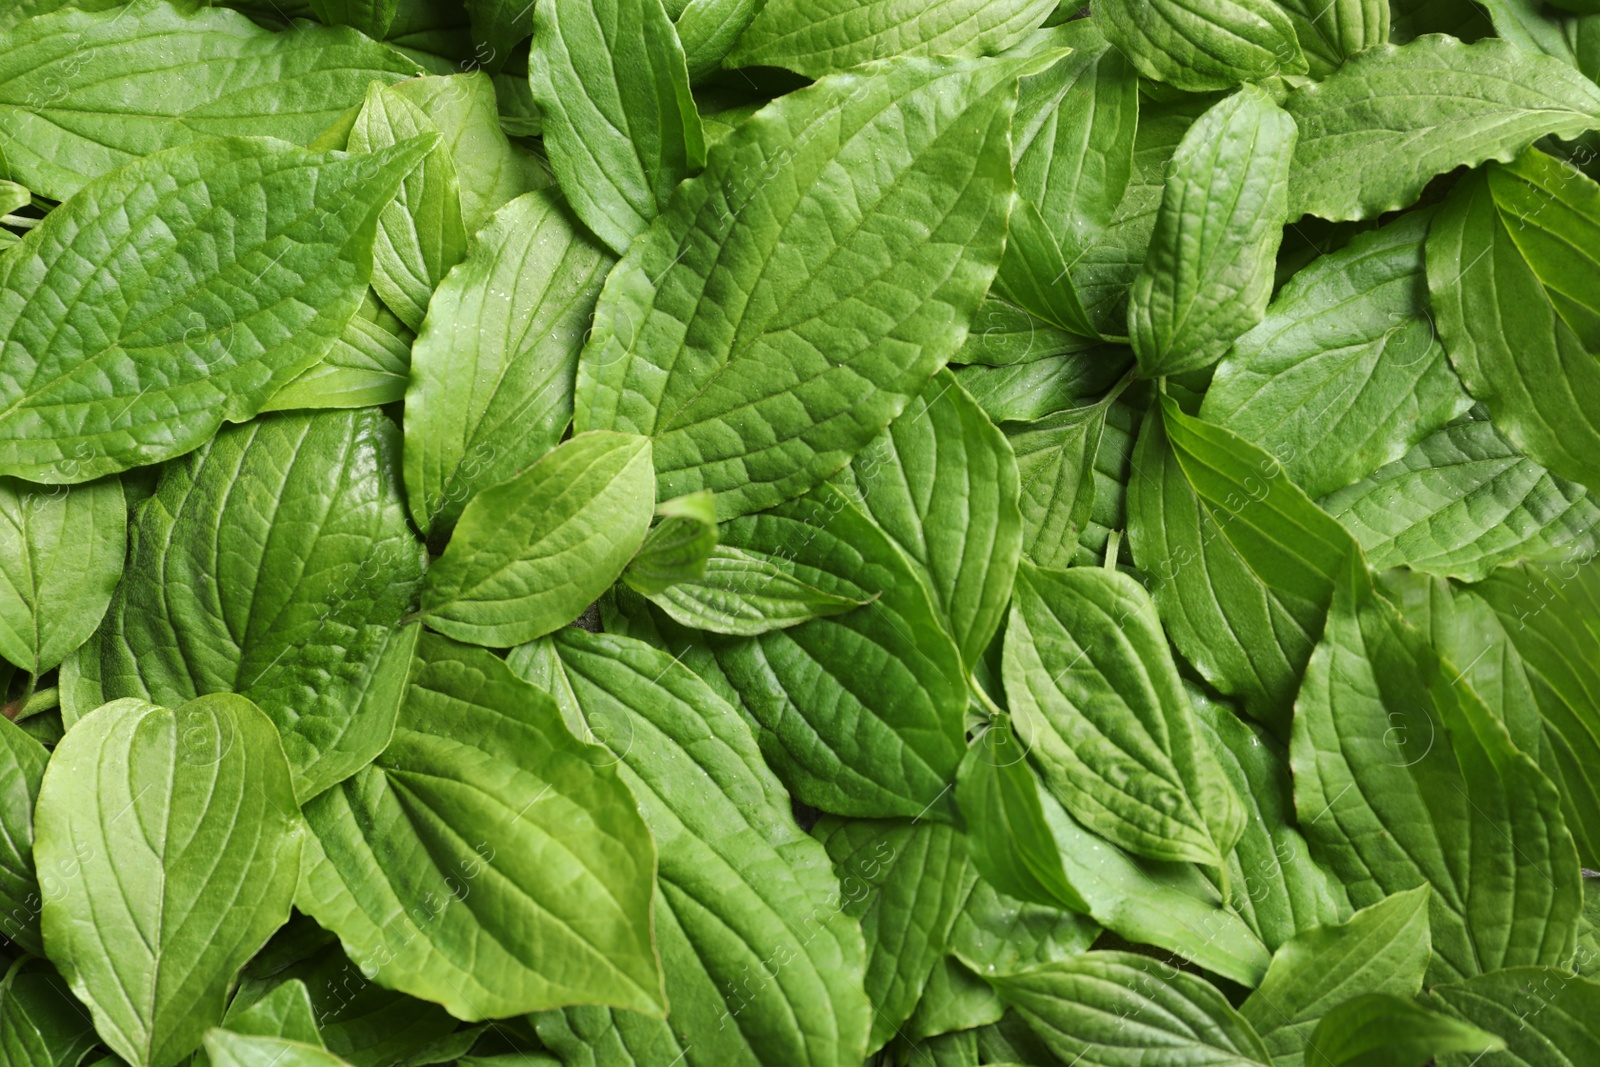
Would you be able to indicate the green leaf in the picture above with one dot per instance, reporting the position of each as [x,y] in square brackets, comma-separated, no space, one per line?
[41,1025]
[1100,708]
[999,934]
[905,882]
[1205,47]
[1111,1009]
[1003,334]
[1403,778]
[531,553]
[229,1049]
[284,1012]
[1463,502]
[142,357]
[954,1000]
[1344,373]
[492,370]
[860,713]
[371,17]
[761,966]
[1055,463]
[1381,949]
[275,562]
[941,481]
[1375,132]
[84,92]
[678,547]
[708,30]
[1007,836]
[61,553]
[1036,390]
[620,126]
[1545,1015]
[1507,268]
[821,37]
[1035,274]
[746,594]
[1242,563]
[420,233]
[758,383]
[1534,27]
[1383,1030]
[1208,274]
[368,365]
[23,761]
[1330,33]
[487,860]
[183,831]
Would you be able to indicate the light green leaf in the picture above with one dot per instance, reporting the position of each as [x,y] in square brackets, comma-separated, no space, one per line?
[492,371]
[183,830]
[1545,1015]
[708,30]
[41,1025]
[905,882]
[275,562]
[1204,47]
[1100,708]
[1330,33]
[1208,274]
[1463,502]
[487,860]
[22,759]
[1381,949]
[1403,778]
[678,547]
[758,383]
[1242,563]
[143,358]
[746,594]
[1344,373]
[999,934]
[368,365]
[821,37]
[229,1049]
[761,966]
[620,126]
[1055,463]
[1534,27]
[1383,1030]
[1507,269]
[531,553]
[1111,1009]
[1377,130]
[285,1012]
[61,553]
[83,92]
[420,233]
[941,481]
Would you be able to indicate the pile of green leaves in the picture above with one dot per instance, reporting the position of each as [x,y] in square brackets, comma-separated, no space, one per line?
[804,533]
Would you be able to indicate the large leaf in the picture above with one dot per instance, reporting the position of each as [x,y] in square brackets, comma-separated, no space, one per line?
[487,861]
[1375,132]
[795,297]
[275,562]
[1463,502]
[1545,1015]
[620,126]
[818,37]
[22,760]
[941,481]
[1510,258]
[1344,373]
[761,966]
[140,356]
[1205,46]
[183,830]
[1243,564]
[1110,1009]
[1381,949]
[492,370]
[41,1025]
[1100,708]
[83,92]
[61,553]
[531,553]
[1403,778]
[1208,273]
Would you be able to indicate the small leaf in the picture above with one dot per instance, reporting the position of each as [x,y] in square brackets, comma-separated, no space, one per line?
[1197,49]
[1383,1030]
[678,546]
[745,594]
[22,761]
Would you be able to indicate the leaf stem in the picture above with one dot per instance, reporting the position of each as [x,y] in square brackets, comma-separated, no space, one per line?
[32,704]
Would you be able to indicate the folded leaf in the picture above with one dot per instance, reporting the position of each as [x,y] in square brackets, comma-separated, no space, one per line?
[758,383]
[141,357]
[284,1012]
[1210,46]
[1004,334]
[746,594]
[488,860]
[620,126]
[1543,1014]
[83,92]
[1101,710]
[492,370]
[819,37]
[367,366]
[999,934]
[61,553]
[275,562]
[1383,1030]
[1344,373]
[761,966]
[1055,463]
[708,30]
[182,828]
[1403,778]
[41,1025]
[678,547]
[23,760]
[1375,132]
[1044,387]
[1208,274]
[531,553]
[1330,33]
